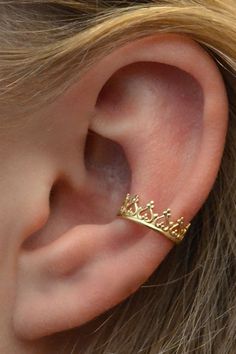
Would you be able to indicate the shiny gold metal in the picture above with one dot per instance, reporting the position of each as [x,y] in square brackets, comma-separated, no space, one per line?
[173,230]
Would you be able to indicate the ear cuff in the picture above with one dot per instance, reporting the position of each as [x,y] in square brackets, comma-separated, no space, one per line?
[159,222]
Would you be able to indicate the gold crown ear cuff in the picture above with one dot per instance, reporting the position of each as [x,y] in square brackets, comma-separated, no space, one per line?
[159,222]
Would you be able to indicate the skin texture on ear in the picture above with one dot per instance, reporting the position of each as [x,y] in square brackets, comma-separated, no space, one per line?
[157,109]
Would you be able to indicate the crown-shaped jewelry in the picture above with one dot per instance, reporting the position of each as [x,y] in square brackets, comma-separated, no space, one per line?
[174,230]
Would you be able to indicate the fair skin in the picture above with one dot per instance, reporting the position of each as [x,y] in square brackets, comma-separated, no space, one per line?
[66,258]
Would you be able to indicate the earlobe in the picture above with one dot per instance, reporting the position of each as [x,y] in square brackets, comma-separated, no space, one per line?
[163,101]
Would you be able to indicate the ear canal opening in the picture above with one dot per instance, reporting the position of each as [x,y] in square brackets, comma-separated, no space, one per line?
[105,160]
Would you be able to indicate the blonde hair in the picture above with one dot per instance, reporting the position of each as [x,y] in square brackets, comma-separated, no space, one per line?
[188,304]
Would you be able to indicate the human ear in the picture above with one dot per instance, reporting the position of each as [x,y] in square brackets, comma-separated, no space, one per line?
[157,109]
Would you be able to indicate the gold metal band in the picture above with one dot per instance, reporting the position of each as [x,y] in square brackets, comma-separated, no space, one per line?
[173,230]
